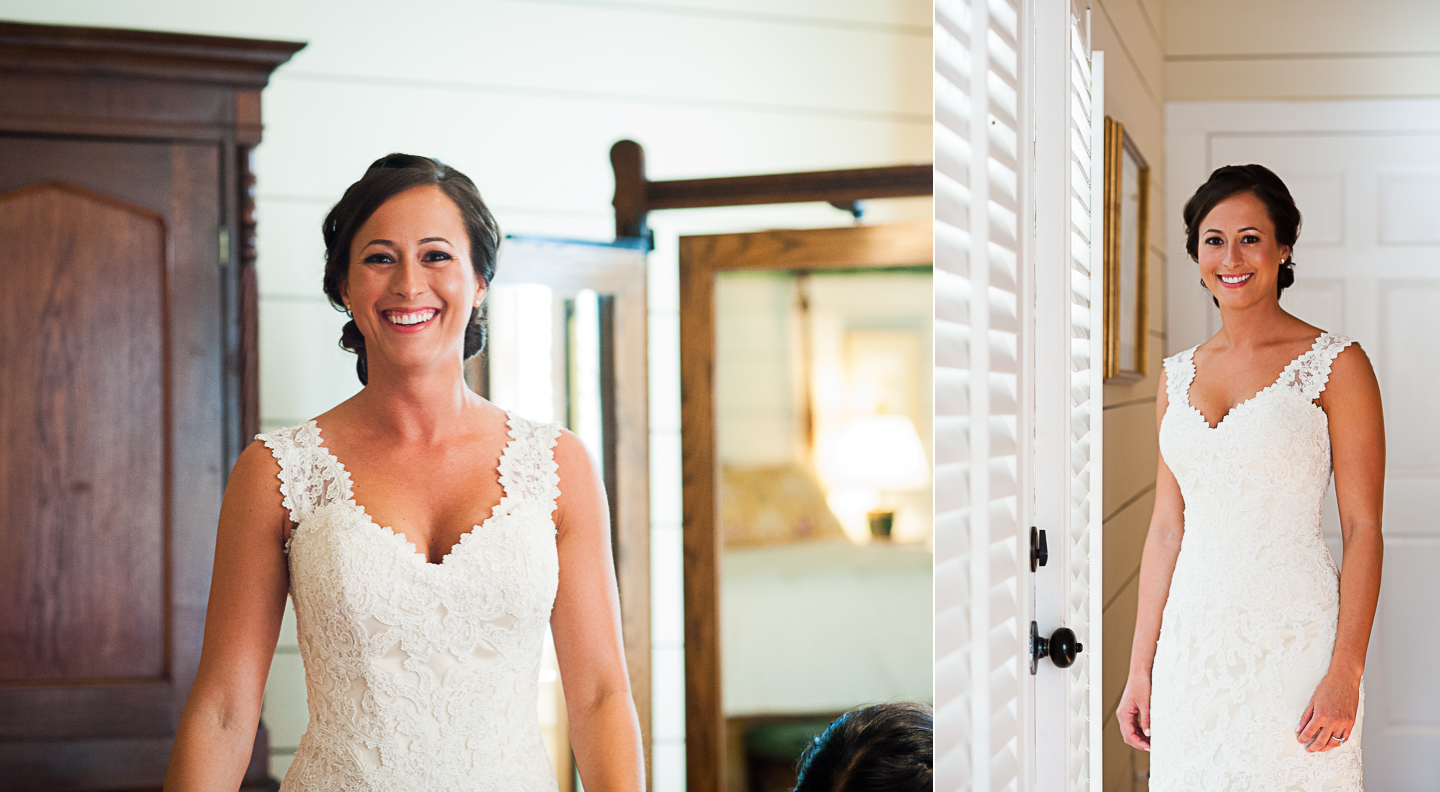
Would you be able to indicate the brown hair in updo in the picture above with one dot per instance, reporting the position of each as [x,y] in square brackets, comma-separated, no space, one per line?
[384,179]
[1261,182]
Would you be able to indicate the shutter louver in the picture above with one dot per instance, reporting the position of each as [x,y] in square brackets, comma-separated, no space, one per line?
[980,638]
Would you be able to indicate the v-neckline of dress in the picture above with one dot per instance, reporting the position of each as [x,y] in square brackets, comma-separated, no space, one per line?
[1194,372]
[347,489]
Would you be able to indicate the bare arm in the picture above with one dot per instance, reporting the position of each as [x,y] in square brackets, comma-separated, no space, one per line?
[242,624]
[1157,565]
[1357,443]
[604,729]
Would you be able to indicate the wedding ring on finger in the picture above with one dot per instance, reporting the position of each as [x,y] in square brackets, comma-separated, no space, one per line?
[1341,739]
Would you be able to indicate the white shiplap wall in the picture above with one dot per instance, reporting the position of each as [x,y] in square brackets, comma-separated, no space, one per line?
[526,96]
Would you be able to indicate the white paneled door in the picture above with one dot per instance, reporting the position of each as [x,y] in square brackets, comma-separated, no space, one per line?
[1016,427]
[1366,176]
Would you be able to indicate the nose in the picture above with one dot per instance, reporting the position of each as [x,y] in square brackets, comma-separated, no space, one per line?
[1232,254]
[408,280]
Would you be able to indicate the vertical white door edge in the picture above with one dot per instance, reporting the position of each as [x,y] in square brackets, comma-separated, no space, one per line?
[1068,183]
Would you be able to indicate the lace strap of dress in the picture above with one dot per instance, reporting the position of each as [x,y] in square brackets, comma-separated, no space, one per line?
[309,476]
[1179,372]
[1311,371]
[528,471]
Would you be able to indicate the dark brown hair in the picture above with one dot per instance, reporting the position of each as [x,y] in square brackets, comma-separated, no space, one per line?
[882,748]
[384,179]
[1261,182]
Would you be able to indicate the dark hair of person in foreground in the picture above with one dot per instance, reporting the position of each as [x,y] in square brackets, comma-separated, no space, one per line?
[887,747]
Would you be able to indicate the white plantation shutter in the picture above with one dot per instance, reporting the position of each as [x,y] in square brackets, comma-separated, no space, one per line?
[981,598]
[1084,702]
[1017,392]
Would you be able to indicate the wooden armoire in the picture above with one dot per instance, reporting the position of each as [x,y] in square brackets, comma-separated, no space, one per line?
[127,383]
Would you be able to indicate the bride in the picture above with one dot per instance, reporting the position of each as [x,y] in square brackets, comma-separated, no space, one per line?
[422,639]
[1245,672]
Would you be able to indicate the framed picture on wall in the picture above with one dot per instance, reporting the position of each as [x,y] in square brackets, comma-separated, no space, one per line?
[1127,199]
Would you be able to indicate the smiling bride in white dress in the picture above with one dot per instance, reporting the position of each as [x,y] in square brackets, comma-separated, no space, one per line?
[421,639]
[1245,672]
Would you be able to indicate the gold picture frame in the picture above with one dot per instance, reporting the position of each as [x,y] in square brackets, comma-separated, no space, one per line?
[1126,243]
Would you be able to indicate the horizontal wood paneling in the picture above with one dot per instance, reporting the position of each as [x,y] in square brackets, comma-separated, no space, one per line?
[301,363]
[1335,49]
[909,16]
[574,48]
[1125,532]
[1131,453]
[535,151]
[1336,26]
[1322,77]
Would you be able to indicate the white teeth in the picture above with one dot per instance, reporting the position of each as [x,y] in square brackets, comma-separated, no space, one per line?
[1235,278]
[412,318]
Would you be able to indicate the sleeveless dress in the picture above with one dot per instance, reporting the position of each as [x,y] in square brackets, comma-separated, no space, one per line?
[1249,625]
[420,676]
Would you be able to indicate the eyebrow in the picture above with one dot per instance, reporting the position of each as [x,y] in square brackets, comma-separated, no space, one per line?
[1218,231]
[392,244]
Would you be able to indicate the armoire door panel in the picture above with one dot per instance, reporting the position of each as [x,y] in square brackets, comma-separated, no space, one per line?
[114,455]
[82,480]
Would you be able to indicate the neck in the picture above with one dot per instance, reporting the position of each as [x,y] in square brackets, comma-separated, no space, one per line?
[415,405]
[1254,325]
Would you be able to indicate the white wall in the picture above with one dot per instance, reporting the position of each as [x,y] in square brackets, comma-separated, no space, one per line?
[526,96]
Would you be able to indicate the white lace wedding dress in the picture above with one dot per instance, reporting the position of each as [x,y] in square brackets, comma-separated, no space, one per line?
[420,676]
[1249,625]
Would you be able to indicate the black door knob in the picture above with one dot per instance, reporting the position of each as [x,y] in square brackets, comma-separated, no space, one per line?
[1061,647]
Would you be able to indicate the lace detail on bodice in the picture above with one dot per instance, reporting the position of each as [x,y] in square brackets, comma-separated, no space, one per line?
[420,675]
[1249,622]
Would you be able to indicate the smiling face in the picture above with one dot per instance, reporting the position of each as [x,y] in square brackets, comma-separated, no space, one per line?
[1239,256]
[411,284]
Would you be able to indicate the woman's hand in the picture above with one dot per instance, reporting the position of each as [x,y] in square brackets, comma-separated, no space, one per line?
[1330,713]
[1134,712]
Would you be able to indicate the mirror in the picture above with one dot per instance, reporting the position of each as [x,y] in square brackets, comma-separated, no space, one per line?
[810,490]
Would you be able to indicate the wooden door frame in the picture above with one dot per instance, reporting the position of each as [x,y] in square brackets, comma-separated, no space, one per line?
[617,271]
[701,259]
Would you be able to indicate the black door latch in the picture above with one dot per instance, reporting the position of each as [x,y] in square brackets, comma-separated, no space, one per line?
[1039,553]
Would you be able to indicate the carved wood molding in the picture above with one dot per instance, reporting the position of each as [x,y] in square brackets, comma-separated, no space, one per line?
[168,57]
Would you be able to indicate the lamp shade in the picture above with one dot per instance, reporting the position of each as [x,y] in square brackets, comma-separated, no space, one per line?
[874,452]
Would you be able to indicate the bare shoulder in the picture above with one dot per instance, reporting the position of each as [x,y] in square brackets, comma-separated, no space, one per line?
[257,464]
[253,491]
[582,495]
[1352,385]
[572,460]
[1351,368]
